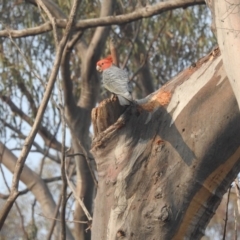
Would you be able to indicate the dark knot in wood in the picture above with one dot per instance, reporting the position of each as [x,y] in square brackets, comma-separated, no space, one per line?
[107,113]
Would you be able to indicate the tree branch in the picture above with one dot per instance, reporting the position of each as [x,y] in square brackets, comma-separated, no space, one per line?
[132,45]
[51,18]
[69,101]
[81,203]
[226,214]
[34,183]
[26,190]
[17,207]
[49,139]
[237,190]
[145,12]
[49,235]
[52,7]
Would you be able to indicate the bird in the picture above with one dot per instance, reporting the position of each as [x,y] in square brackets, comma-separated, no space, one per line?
[115,80]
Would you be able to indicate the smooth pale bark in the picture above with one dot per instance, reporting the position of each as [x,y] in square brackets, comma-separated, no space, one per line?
[36,185]
[162,175]
[226,25]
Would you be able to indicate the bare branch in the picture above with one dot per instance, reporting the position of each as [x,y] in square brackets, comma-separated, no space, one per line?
[21,220]
[132,45]
[145,12]
[29,96]
[6,196]
[85,156]
[226,214]
[113,51]
[49,139]
[69,100]
[235,225]
[237,190]
[84,151]
[51,6]
[63,170]
[17,207]
[26,190]
[16,110]
[53,179]
[54,219]
[81,203]
[41,4]
[46,27]
[83,222]
[149,48]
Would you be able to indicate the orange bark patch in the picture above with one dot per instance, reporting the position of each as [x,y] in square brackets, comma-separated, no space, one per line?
[161,98]
[158,142]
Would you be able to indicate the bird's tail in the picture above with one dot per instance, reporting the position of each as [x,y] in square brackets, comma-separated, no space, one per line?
[123,101]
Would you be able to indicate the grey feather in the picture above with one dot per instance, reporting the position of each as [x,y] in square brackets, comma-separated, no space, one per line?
[116,81]
[123,101]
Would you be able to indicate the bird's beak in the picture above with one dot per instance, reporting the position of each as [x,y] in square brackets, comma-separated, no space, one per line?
[99,69]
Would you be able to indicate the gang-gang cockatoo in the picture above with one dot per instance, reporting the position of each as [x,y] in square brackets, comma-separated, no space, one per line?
[115,80]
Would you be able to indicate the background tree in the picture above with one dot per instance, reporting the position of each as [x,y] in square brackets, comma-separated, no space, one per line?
[146,46]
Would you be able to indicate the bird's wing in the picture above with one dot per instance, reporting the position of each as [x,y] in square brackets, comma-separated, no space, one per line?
[116,81]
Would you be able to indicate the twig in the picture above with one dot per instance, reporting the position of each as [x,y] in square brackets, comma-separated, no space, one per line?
[54,219]
[150,46]
[87,159]
[226,214]
[21,220]
[78,199]
[59,220]
[35,144]
[43,131]
[6,196]
[132,45]
[18,209]
[63,170]
[51,18]
[113,51]
[40,175]
[85,154]
[235,225]
[237,190]
[24,57]
[33,211]
[26,190]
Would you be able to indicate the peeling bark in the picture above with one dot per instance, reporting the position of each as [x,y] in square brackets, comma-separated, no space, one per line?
[163,177]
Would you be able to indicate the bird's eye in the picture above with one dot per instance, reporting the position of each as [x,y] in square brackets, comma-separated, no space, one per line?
[102,63]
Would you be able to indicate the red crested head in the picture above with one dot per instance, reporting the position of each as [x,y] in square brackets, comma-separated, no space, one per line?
[104,63]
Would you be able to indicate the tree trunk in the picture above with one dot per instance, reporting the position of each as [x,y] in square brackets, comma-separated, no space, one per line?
[164,167]
[226,26]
